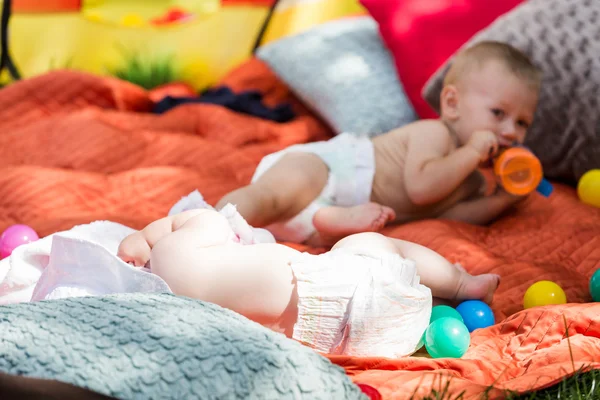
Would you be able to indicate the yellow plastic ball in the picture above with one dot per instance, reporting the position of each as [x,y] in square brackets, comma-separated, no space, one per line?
[543,293]
[588,188]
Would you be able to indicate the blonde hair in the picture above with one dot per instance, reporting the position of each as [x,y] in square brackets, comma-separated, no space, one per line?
[477,55]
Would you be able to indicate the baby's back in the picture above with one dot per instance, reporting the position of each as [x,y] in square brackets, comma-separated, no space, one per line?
[389,187]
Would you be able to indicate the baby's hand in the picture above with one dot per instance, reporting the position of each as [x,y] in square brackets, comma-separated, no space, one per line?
[485,143]
[134,249]
[509,197]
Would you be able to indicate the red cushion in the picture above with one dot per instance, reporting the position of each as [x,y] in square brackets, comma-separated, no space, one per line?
[423,34]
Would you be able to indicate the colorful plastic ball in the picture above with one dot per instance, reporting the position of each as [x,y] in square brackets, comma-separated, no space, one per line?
[588,188]
[476,314]
[447,337]
[595,286]
[14,236]
[442,311]
[543,293]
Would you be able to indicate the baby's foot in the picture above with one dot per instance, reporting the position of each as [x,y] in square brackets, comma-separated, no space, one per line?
[344,221]
[479,287]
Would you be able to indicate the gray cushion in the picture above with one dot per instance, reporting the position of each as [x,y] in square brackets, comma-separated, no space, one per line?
[161,346]
[562,37]
[343,71]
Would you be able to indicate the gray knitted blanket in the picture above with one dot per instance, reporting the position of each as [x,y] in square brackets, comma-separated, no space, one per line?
[150,346]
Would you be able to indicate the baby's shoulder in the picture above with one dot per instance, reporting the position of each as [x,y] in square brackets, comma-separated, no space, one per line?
[430,131]
[428,127]
[433,127]
[422,131]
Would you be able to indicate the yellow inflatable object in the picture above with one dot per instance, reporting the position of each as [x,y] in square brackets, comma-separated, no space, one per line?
[193,41]
[544,293]
[588,188]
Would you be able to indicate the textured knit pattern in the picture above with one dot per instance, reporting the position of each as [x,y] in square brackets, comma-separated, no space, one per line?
[344,73]
[140,346]
[562,37]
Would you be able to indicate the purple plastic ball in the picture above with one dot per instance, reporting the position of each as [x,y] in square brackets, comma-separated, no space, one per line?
[14,236]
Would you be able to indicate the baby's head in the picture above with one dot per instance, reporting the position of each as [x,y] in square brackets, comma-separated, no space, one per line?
[490,86]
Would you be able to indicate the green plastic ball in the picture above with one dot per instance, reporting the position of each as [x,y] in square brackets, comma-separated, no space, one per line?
[595,286]
[442,311]
[447,338]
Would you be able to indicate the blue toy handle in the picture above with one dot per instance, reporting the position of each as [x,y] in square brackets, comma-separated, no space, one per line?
[545,188]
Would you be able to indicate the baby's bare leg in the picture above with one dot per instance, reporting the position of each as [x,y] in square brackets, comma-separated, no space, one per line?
[445,280]
[284,190]
[255,281]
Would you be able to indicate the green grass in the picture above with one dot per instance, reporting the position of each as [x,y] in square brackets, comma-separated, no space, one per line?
[584,384]
[54,65]
[145,72]
[135,68]
[580,386]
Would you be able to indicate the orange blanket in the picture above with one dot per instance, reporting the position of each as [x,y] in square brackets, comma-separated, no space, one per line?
[76,148]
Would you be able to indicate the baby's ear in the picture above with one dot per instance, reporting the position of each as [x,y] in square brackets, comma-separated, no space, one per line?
[449,102]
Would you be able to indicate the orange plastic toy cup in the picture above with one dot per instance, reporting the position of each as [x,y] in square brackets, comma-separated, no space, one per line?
[518,170]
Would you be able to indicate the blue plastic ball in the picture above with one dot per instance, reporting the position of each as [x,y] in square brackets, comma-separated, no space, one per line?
[447,337]
[476,314]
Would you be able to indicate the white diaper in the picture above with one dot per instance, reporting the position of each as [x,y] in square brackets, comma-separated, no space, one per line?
[360,305]
[351,163]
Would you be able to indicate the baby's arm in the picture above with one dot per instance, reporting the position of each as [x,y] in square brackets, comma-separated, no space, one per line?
[482,210]
[432,171]
[136,247]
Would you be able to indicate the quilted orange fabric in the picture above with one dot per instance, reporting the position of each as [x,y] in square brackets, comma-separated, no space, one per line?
[76,148]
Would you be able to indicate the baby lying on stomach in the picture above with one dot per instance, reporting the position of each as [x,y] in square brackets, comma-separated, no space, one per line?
[369,296]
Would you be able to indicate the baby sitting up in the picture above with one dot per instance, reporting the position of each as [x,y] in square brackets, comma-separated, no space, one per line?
[362,298]
[318,192]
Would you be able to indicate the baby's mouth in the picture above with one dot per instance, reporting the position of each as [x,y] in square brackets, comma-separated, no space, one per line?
[506,143]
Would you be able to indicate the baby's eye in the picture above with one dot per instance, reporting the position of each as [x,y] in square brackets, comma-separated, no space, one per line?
[497,112]
[523,124]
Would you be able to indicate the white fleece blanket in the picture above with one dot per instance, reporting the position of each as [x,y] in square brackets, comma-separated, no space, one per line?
[78,262]
[83,262]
